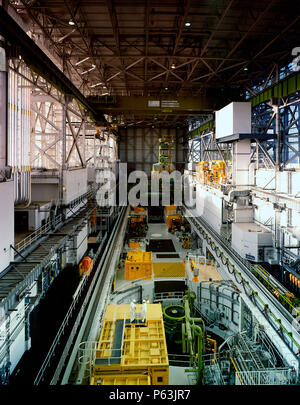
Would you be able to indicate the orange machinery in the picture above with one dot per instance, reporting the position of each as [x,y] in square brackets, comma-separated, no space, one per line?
[173,220]
[85,266]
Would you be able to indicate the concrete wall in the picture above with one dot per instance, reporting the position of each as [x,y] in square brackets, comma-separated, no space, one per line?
[7,223]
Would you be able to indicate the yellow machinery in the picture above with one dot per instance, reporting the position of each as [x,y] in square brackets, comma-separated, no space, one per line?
[139,210]
[137,226]
[132,347]
[170,210]
[217,174]
[134,246]
[185,241]
[203,171]
[173,222]
[176,268]
[138,265]
[211,345]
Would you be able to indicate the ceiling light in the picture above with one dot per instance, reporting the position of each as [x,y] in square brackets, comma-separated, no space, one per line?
[71,22]
[245,68]
[97,84]
[166,88]
[104,87]
[173,66]
[81,61]
[86,71]
[187,24]
[93,65]
[66,36]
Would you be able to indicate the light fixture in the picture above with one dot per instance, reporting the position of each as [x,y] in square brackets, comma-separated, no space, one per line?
[86,71]
[97,84]
[245,68]
[82,60]
[173,66]
[166,88]
[187,24]
[71,22]
[104,87]
[93,65]
[66,36]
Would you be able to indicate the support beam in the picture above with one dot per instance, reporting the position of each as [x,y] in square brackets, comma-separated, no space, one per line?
[37,60]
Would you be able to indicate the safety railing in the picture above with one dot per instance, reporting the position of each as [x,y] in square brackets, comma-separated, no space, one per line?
[266,377]
[167,296]
[37,234]
[226,254]
[50,225]
[213,373]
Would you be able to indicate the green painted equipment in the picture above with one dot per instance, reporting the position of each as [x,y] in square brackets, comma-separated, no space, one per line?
[173,318]
[193,336]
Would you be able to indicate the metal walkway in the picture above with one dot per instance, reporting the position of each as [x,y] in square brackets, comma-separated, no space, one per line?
[14,284]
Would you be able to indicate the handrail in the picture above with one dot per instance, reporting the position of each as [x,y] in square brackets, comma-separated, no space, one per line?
[38,233]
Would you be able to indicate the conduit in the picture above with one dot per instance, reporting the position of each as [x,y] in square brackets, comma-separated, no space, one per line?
[19,133]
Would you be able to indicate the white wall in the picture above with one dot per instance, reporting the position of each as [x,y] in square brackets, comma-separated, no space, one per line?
[81,243]
[209,206]
[7,223]
[235,118]
[35,217]
[75,182]
[248,238]
[44,192]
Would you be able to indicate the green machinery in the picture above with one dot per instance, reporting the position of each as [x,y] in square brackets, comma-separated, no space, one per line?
[173,318]
[183,329]
[165,147]
[193,336]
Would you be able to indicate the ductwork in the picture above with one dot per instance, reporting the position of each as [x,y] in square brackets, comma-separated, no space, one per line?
[237,193]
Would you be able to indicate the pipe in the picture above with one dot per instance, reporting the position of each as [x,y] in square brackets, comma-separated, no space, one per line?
[3,108]
[190,326]
[29,188]
[19,134]
[198,332]
[241,380]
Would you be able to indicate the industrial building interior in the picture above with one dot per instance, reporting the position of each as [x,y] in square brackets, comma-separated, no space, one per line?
[149,193]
